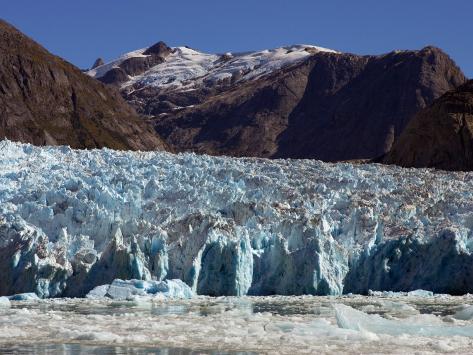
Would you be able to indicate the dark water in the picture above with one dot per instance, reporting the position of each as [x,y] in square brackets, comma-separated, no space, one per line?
[321,307]
[79,349]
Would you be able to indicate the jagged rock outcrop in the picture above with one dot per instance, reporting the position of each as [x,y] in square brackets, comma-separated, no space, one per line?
[133,65]
[297,102]
[45,100]
[440,136]
[98,62]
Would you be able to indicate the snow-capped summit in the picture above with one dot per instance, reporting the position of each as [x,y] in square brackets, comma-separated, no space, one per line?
[186,68]
[299,101]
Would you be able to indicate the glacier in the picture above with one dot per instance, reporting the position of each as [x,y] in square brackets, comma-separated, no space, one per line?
[72,220]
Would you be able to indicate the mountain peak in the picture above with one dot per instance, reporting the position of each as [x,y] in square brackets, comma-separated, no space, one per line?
[161,49]
[98,62]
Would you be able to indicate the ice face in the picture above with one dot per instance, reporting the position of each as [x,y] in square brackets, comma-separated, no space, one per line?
[73,220]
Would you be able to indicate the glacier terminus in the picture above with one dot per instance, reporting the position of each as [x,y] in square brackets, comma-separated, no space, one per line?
[72,220]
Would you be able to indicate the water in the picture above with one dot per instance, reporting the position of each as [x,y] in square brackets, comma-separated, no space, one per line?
[79,349]
[237,325]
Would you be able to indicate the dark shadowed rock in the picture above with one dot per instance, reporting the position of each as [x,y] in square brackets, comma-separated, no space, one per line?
[134,66]
[440,136]
[331,107]
[45,100]
[138,65]
[98,62]
[160,49]
[115,76]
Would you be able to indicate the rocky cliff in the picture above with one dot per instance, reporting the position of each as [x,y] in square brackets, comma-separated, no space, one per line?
[45,100]
[440,136]
[297,101]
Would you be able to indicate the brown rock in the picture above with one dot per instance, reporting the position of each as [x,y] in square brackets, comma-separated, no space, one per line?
[45,100]
[160,49]
[440,136]
[331,107]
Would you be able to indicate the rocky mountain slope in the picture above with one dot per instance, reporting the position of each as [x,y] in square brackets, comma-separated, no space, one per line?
[45,100]
[298,101]
[439,136]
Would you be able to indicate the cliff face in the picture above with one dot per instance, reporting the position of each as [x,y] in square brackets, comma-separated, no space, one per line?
[292,102]
[45,100]
[332,107]
[356,107]
[440,136]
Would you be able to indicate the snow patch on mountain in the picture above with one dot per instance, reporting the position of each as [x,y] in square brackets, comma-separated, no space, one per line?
[187,68]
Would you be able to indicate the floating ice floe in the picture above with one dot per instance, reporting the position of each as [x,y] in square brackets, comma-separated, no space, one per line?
[422,325]
[30,296]
[465,313]
[4,302]
[297,325]
[415,293]
[130,289]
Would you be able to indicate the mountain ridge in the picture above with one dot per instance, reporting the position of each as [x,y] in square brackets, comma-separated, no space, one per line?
[440,136]
[46,100]
[290,102]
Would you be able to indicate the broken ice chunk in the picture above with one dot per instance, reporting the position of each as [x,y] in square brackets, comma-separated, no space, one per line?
[98,292]
[129,289]
[350,318]
[24,297]
[420,293]
[4,302]
[465,313]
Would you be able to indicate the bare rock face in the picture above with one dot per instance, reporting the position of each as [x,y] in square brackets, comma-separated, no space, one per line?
[330,106]
[159,49]
[134,66]
[98,63]
[440,136]
[45,100]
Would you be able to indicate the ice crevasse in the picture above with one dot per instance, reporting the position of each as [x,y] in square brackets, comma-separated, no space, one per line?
[72,220]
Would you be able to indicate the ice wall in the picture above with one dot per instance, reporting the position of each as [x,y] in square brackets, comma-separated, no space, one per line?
[72,220]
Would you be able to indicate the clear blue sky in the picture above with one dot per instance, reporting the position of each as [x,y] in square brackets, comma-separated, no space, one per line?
[82,30]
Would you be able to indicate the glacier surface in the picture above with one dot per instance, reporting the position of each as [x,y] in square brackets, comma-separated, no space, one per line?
[72,220]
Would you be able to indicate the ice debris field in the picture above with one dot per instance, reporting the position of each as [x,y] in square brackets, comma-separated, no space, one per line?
[71,220]
[394,324]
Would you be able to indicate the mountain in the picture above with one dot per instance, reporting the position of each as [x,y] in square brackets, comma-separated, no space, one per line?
[45,100]
[292,102]
[440,136]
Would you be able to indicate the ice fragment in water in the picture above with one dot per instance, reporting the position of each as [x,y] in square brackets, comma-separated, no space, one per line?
[429,325]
